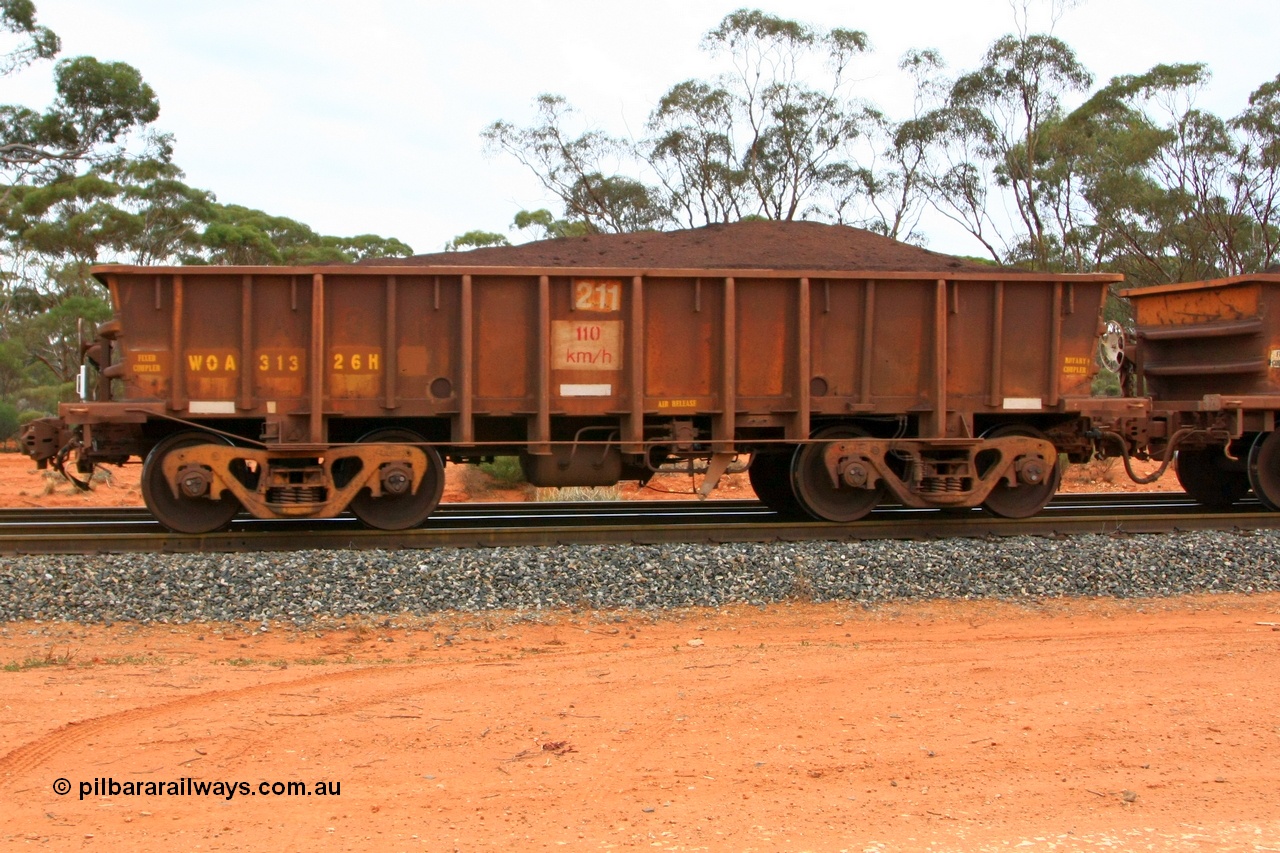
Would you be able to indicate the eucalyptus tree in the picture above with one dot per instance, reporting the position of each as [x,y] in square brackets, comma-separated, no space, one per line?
[52,212]
[235,234]
[694,154]
[1177,193]
[546,226]
[1021,152]
[889,191]
[996,136]
[128,209]
[575,168]
[762,138]
[18,18]
[87,180]
[476,240]
[1256,182]
[95,108]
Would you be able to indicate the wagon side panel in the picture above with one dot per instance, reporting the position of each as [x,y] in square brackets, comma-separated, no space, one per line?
[683,335]
[1215,337]
[279,357]
[143,305]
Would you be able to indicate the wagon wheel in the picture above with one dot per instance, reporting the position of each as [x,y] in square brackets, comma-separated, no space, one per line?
[770,476]
[1204,475]
[1025,499]
[1264,469]
[190,511]
[812,486]
[407,509]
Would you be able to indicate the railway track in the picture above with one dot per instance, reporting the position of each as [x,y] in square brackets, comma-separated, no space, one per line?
[122,530]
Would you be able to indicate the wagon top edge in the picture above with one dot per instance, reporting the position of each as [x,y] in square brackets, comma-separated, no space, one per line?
[1207,284]
[418,271]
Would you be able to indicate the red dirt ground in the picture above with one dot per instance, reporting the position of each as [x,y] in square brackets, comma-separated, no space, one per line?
[1068,725]
[947,726]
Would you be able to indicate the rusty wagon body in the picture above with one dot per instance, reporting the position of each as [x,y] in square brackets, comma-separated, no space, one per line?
[307,391]
[1208,358]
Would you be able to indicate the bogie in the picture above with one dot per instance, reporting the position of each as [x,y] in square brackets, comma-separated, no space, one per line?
[186,500]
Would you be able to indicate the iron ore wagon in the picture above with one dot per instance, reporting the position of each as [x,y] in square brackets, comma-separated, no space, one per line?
[303,392]
[1208,359]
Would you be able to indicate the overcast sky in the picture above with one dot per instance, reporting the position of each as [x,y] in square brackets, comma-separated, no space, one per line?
[366,118]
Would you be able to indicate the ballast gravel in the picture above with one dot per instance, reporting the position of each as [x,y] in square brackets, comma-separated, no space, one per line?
[304,586]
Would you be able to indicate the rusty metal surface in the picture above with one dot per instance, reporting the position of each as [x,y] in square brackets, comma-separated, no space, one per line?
[282,493]
[43,438]
[946,472]
[477,347]
[1219,337]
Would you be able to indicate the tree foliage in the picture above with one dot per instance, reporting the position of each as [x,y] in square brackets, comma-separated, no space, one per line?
[759,140]
[575,167]
[546,226]
[18,17]
[1039,166]
[995,133]
[234,234]
[783,139]
[88,179]
[476,240]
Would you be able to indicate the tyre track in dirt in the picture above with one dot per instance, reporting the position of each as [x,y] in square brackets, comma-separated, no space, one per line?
[31,755]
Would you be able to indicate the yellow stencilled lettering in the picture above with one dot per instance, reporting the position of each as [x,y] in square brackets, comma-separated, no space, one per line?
[677,404]
[279,362]
[148,363]
[1074,365]
[223,362]
[357,361]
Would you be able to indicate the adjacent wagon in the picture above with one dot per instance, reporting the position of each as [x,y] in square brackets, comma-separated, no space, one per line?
[1208,358]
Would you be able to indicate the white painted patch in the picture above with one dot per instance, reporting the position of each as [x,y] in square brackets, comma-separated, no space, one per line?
[603,390]
[212,407]
[1023,404]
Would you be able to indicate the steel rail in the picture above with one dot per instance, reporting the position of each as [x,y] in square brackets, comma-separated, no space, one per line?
[57,515]
[126,530]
